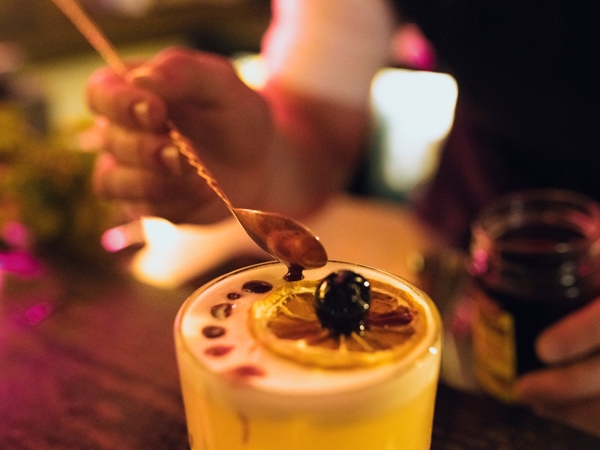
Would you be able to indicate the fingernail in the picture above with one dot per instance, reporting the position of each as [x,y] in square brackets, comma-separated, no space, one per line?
[141,110]
[137,73]
[171,159]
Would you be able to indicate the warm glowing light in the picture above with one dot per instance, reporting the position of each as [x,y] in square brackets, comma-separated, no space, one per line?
[161,236]
[174,254]
[414,111]
[251,70]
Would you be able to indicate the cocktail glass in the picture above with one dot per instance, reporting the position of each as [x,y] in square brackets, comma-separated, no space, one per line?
[257,374]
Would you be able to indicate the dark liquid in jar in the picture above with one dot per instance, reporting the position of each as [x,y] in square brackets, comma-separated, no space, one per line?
[531,284]
[530,319]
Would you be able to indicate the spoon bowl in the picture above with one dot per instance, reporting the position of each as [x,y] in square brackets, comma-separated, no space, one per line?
[283,238]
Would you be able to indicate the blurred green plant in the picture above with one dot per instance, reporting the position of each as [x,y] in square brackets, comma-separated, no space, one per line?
[45,184]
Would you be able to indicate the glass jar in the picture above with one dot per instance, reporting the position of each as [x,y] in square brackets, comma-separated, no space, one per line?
[534,258]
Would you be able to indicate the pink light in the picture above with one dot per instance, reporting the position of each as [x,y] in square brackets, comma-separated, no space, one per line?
[36,313]
[122,236]
[413,49]
[462,320]
[115,239]
[21,263]
[16,234]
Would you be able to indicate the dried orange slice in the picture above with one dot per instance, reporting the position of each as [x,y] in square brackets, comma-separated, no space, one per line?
[286,323]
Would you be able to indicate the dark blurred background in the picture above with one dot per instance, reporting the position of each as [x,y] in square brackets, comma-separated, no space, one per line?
[220,25]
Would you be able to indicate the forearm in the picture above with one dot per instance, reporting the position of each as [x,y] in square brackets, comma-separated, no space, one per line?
[318,144]
[320,58]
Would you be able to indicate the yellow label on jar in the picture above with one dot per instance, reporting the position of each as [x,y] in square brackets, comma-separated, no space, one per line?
[494,348]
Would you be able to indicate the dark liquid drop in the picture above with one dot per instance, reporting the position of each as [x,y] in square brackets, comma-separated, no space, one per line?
[257,286]
[247,371]
[234,296]
[218,350]
[294,273]
[221,311]
[212,332]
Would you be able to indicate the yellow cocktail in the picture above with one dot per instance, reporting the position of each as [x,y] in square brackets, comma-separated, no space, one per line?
[259,371]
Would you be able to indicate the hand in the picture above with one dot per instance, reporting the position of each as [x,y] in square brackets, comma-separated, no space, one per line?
[228,124]
[569,390]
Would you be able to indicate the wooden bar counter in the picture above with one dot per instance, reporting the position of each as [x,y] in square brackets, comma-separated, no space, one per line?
[87,362]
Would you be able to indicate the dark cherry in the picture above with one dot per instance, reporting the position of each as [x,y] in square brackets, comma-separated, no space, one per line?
[342,302]
[257,286]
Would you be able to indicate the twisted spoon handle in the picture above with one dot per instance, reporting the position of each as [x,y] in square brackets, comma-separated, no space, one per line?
[186,150]
[92,34]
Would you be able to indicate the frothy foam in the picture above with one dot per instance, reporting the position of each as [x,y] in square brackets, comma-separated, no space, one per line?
[256,379]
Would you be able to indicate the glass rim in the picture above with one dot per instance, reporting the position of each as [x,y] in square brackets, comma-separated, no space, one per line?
[513,205]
